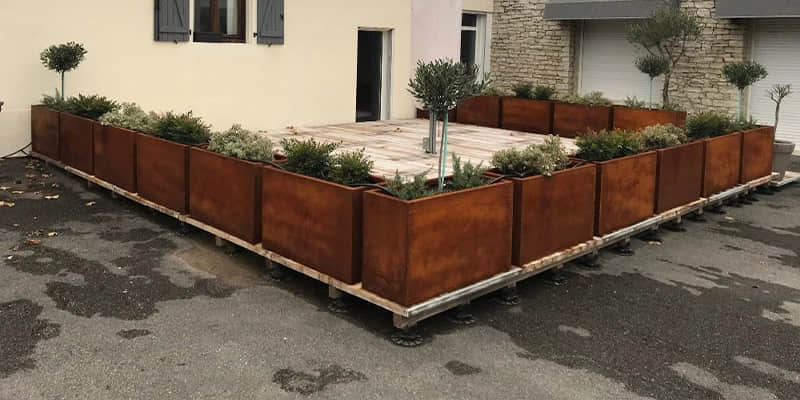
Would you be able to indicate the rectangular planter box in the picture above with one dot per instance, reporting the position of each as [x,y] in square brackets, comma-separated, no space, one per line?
[680,176]
[527,115]
[722,163]
[314,222]
[225,192]
[570,120]
[480,110]
[44,131]
[424,114]
[417,250]
[626,191]
[76,143]
[636,119]
[115,156]
[553,213]
[162,174]
[757,153]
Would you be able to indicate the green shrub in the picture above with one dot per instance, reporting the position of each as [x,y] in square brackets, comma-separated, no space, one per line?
[309,157]
[607,145]
[415,188]
[92,107]
[466,176]
[523,91]
[593,99]
[742,124]
[542,159]
[543,92]
[63,58]
[129,116]
[493,91]
[744,74]
[661,136]
[241,143]
[55,102]
[707,124]
[351,168]
[633,102]
[181,128]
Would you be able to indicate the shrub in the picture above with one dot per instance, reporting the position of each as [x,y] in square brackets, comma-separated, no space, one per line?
[707,124]
[63,58]
[542,159]
[415,188]
[351,168]
[181,128]
[129,116]
[466,176]
[633,102]
[92,107]
[607,145]
[493,91]
[661,136]
[523,91]
[241,143]
[543,92]
[593,98]
[309,157]
[56,102]
[742,125]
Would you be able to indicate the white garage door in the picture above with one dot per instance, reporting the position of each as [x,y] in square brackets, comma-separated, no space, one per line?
[776,45]
[607,63]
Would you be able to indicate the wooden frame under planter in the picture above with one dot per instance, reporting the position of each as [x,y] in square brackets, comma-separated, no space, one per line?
[527,115]
[571,120]
[162,174]
[44,131]
[312,221]
[225,192]
[636,119]
[115,156]
[757,153]
[481,111]
[76,143]
[722,163]
[680,176]
[416,250]
[626,191]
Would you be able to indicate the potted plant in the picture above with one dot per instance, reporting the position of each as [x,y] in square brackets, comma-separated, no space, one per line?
[76,130]
[420,242]
[312,207]
[782,149]
[626,178]
[225,182]
[575,115]
[482,110]
[162,158]
[722,150]
[679,179]
[115,145]
[45,125]
[530,110]
[554,199]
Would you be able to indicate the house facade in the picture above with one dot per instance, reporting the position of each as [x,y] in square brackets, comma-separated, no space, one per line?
[579,46]
[262,63]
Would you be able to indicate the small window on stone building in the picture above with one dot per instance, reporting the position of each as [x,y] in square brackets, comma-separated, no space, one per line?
[474,41]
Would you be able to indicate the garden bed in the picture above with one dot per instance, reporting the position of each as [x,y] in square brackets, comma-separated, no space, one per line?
[527,115]
[757,147]
[480,110]
[76,143]
[680,176]
[44,131]
[636,119]
[162,172]
[626,191]
[115,156]
[570,120]
[722,163]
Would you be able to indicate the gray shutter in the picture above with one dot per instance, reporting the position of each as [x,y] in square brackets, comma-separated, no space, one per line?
[270,22]
[172,20]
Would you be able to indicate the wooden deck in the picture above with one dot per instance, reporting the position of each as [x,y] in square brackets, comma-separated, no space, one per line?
[397,145]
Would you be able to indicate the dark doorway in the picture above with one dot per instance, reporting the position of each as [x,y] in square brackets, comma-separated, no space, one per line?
[368,81]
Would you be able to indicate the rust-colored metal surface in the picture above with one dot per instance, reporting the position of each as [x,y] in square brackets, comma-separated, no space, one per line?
[527,115]
[680,176]
[314,222]
[417,250]
[115,156]
[571,120]
[225,192]
[480,110]
[424,114]
[757,153]
[162,172]
[636,119]
[75,143]
[553,213]
[626,191]
[44,131]
[722,164]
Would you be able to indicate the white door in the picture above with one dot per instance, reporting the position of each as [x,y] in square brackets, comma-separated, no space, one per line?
[776,45]
[607,63]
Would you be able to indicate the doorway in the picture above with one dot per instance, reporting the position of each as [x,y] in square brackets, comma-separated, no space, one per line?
[373,75]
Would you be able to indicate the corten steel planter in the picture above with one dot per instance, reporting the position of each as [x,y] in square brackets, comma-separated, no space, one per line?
[417,250]
[527,115]
[314,222]
[571,120]
[757,153]
[75,142]
[636,119]
[680,176]
[162,174]
[425,114]
[480,110]
[626,191]
[115,156]
[44,131]
[722,163]
[225,192]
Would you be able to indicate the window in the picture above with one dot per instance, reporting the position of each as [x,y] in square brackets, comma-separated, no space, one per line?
[219,21]
[473,41]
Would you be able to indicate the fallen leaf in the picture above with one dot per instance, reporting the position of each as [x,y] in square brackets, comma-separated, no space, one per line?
[33,241]
[51,234]
[53,197]
[30,176]
[91,203]
[17,192]
[730,219]
[4,188]
[6,204]
[654,243]
[15,225]
[55,185]
[46,175]
[15,248]
[10,258]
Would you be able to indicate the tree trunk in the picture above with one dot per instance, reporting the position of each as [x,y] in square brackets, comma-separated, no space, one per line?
[665,91]
[432,133]
[777,115]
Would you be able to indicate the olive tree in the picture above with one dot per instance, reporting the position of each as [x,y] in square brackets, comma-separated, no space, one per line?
[63,58]
[654,66]
[777,93]
[742,75]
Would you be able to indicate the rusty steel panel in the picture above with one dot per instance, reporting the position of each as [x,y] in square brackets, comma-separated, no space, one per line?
[626,191]
[44,131]
[115,156]
[680,176]
[635,119]
[480,110]
[571,120]
[162,172]
[75,142]
[757,153]
[527,115]
[722,164]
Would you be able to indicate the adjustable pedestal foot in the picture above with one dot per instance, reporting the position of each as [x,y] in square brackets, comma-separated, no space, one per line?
[339,302]
[186,229]
[508,296]
[623,248]
[276,271]
[462,315]
[676,226]
[651,236]
[717,209]
[408,337]
[555,277]
[696,217]
[590,261]
[751,197]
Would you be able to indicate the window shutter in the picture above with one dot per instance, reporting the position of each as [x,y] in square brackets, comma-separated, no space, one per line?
[270,22]
[172,20]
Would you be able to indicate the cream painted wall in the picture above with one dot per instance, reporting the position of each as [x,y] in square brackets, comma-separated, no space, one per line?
[437,29]
[479,5]
[309,80]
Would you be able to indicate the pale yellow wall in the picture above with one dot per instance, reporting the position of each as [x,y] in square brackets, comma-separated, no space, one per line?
[479,5]
[309,80]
